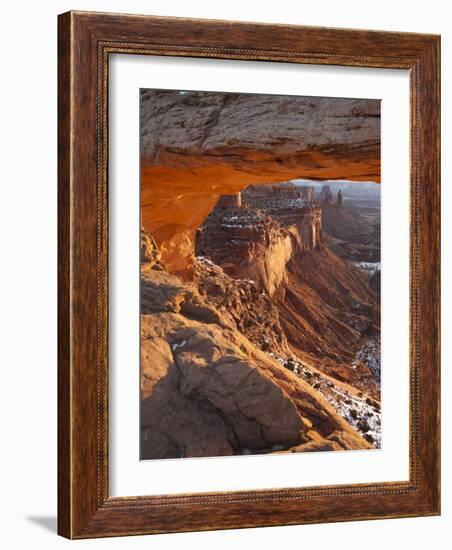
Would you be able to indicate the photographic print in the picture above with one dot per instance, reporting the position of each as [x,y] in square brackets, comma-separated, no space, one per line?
[259,274]
[219,261]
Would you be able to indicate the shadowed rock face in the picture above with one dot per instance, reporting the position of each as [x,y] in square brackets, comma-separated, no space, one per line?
[197,146]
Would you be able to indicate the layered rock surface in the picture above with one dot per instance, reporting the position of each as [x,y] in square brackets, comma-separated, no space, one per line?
[261,248]
[321,305]
[327,310]
[260,332]
[207,390]
[257,240]
[197,146]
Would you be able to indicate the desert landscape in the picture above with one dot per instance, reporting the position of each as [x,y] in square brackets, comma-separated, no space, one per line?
[260,274]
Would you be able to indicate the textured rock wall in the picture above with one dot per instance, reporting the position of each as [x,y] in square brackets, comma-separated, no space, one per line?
[197,146]
[206,390]
[252,246]
[324,305]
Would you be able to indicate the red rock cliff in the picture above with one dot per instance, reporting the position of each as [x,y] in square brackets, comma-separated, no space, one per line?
[197,146]
[206,390]
[257,241]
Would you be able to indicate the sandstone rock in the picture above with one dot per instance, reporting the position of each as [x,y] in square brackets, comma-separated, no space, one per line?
[256,242]
[206,377]
[161,291]
[315,446]
[320,304]
[150,256]
[248,247]
[326,308]
[243,305]
[197,146]
[345,440]
[208,391]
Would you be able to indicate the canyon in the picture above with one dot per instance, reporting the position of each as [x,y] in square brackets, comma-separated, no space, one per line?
[266,349]
[322,304]
[197,146]
[208,390]
[260,313]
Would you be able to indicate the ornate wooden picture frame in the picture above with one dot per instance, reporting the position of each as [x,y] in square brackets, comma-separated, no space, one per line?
[86,40]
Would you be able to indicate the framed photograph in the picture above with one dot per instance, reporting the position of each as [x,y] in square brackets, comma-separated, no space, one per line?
[248,275]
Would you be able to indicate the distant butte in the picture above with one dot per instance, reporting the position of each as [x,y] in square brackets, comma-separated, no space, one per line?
[197,146]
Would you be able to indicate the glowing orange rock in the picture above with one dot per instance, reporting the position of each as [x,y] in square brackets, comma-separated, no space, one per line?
[197,146]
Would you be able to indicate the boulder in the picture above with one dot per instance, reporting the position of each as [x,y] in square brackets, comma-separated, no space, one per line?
[206,390]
